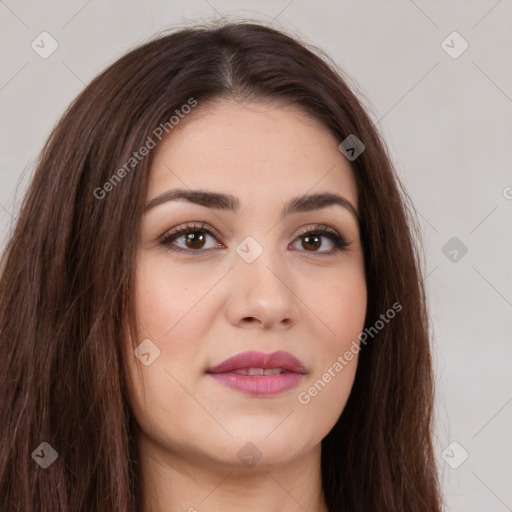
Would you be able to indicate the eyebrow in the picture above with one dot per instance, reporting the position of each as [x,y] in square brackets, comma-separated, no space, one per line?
[219,201]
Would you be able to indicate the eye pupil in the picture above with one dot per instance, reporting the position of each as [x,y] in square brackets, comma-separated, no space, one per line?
[316,241]
[191,243]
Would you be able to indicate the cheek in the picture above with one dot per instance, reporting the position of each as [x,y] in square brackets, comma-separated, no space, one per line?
[157,402]
[341,305]
[166,295]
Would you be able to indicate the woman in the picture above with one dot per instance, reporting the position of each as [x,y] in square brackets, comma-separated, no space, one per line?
[212,298]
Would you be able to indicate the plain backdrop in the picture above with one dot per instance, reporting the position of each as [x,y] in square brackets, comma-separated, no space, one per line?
[448,124]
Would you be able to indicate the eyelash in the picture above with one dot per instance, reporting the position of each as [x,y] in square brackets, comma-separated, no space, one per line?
[340,243]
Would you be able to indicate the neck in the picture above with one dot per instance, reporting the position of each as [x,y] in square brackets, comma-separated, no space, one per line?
[172,482]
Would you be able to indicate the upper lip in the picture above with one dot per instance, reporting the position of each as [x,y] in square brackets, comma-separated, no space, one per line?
[254,359]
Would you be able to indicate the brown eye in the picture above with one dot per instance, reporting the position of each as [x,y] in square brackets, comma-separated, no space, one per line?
[195,240]
[189,238]
[311,242]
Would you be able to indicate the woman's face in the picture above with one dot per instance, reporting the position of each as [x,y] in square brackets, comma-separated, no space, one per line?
[246,275]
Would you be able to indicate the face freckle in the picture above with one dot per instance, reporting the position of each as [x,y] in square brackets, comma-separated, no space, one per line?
[285,293]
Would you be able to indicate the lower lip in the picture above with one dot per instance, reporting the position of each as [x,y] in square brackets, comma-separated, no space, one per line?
[259,385]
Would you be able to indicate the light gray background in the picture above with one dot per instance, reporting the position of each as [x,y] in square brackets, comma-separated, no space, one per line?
[448,124]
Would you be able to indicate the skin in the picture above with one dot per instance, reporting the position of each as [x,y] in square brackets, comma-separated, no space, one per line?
[199,309]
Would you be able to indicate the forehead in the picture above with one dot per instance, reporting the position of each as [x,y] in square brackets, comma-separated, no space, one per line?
[251,150]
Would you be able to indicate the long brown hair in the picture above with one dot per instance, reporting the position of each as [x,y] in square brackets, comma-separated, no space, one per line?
[66,285]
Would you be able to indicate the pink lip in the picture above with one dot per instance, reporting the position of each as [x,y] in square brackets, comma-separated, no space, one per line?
[259,385]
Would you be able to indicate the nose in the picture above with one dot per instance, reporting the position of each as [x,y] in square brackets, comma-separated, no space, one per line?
[262,294]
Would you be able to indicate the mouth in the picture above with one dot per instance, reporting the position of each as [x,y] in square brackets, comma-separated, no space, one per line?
[258,374]
[255,372]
